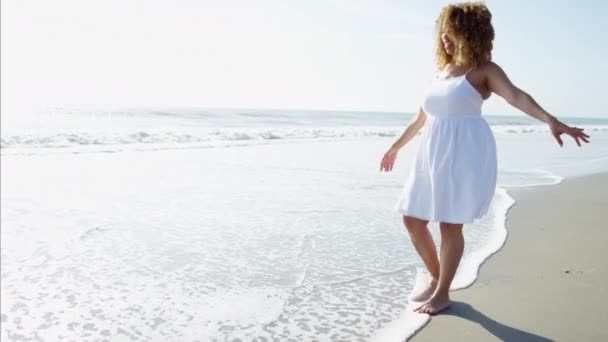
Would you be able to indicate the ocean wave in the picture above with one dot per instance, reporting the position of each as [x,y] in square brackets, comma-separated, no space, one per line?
[541,128]
[55,140]
[185,136]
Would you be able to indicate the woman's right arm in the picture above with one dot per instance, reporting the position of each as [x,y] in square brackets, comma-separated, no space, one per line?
[412,129]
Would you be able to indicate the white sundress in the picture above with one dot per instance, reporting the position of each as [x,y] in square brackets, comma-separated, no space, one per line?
[453,178]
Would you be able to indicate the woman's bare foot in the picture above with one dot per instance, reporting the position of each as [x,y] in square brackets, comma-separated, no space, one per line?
[434,305]
[425,293]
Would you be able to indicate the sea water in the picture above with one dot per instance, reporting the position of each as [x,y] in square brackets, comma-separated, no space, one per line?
[147,224]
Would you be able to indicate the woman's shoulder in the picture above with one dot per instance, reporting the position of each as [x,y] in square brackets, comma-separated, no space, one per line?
[488,70]
[489,67]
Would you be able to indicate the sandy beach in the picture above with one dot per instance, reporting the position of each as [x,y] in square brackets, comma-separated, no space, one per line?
[548,282]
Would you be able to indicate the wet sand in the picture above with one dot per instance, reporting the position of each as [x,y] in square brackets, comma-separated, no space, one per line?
[548,282]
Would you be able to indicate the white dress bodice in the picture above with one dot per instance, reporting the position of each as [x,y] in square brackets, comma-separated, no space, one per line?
[452,97]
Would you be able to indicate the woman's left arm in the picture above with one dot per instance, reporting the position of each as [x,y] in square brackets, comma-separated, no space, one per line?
[499,83]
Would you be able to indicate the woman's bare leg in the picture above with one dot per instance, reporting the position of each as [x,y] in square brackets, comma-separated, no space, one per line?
[425,246]
[452,246]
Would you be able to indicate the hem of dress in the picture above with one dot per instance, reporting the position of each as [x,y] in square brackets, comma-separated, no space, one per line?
[432,219]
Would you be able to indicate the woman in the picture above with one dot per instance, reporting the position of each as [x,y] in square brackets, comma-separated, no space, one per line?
[454,174]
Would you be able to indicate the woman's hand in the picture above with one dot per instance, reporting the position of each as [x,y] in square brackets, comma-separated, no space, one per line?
[389,159]
[558,128]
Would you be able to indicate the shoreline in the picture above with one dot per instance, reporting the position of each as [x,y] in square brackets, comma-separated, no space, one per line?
[530,287]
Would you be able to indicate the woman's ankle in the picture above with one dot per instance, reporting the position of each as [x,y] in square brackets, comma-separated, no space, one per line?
[441,293]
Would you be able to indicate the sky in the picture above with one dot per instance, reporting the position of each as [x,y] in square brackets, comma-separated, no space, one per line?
[363,55]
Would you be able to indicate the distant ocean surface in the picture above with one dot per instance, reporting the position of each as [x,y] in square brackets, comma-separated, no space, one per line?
[232,224]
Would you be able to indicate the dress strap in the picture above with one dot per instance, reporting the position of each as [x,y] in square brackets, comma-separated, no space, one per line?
[439,72]
[442,72]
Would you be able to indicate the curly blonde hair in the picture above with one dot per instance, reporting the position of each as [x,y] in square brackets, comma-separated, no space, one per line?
[469,27]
